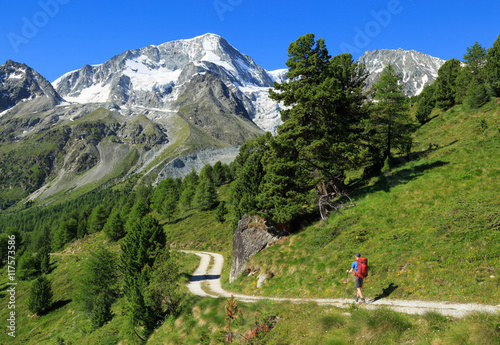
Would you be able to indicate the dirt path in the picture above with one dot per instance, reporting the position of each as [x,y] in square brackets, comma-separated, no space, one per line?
[205,282]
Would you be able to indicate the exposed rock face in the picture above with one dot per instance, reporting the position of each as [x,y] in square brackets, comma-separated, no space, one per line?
[251,236]
[20,84]
[417,69]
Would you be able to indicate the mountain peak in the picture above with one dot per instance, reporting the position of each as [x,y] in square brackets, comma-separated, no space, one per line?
[417,69]
[20,83]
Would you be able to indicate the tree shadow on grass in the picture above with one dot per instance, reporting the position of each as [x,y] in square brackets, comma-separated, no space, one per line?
[386,292]
[386,182]
[58,304]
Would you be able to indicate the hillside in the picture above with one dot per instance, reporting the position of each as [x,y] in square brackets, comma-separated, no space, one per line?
[430,229]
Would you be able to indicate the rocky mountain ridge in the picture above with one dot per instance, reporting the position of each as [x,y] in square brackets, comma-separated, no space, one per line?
[417,69]
[166,101]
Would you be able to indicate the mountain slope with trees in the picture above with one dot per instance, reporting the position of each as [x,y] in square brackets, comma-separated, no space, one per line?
[423,209]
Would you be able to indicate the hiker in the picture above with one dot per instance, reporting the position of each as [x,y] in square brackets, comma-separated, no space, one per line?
[360,267]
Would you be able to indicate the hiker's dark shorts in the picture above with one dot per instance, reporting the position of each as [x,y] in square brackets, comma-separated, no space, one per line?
[358,282]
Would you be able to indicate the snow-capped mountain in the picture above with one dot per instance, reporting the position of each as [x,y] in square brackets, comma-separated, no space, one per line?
[20,85]
[417,69]
[156,77]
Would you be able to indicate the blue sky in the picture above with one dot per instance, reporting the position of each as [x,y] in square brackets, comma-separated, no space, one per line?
[58,36]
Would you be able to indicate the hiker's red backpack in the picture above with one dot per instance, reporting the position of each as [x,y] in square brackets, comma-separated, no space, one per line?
[362,271]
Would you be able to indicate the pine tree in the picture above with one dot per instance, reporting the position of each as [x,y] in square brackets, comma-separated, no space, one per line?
[221,212]
[43,257]
[171,198]
[188,189]
[492,68]
[425,104]
[321,135]
[250,172]
[445,93]
[477,95]
[28,265]
[65,233]
[475,59]
[390,125]
[102,312]
[140,249]
[218,174]
[472,73]
[114,227]
[138,211]
[97,219]
[97,287]
[206,196]
[40,299]
[162,294]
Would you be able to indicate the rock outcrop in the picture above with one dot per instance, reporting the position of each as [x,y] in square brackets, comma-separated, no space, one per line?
[252,235]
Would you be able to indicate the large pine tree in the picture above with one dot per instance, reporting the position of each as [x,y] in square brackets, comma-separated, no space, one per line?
[320,137]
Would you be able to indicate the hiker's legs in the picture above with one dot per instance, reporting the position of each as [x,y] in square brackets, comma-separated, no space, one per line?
[359,293]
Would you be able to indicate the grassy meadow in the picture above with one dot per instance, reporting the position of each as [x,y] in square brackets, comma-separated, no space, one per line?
[430,228]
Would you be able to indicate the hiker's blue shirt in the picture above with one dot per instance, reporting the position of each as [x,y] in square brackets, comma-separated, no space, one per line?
[355,266]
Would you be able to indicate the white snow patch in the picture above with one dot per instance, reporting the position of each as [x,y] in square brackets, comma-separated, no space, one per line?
[267,115]
[278,75]
[146,78]
[93,94]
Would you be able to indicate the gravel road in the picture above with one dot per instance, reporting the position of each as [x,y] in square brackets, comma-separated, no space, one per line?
[205,282]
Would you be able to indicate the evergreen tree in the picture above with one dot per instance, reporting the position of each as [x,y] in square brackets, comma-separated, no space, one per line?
[477,95]
[321,135]
[43,257]
[188,189]
[492,68]
[462,83]
[218,174]
[250,172]
[4,245]
[102,312]
[114,227]
[28,265]
[162,295]
[40,299]
[138,211]
[140,248]
[425,104]
[475,59]
[445,93]
[97,219]
[206,196]
[221,212]
[390,125]
[472,73]
[171,198]
[66,232]
[97,286]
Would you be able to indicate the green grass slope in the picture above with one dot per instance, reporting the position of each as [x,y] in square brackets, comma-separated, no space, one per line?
[430,227]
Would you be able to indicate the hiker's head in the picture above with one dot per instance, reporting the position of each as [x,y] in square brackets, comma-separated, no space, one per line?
[358,255]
